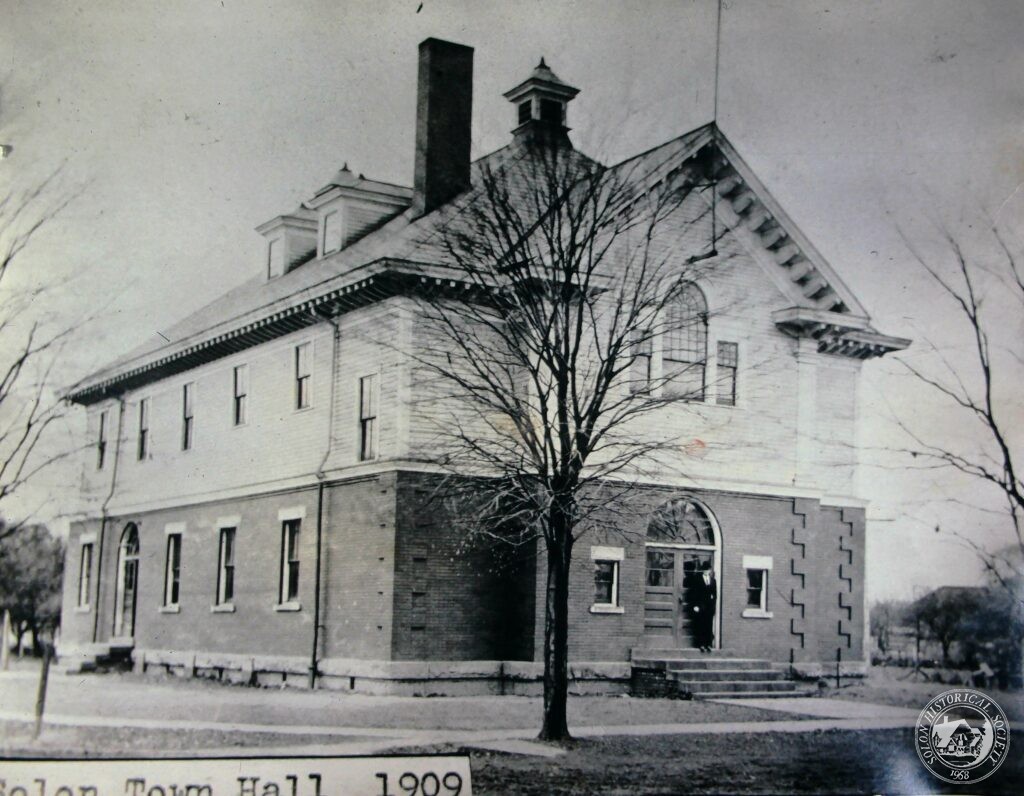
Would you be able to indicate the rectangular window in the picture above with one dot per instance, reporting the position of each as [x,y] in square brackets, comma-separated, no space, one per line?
[187,395]
[640,369]
[172,574]
[332,231]
[525,111]
[226,567]
[101,441]
[368,418]
[606,583]
[143,448]
[85,576]
[728,362]
[757,589]
[241,394]
[290,560]
[303,369]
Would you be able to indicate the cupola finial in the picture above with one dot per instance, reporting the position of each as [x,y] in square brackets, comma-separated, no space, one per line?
[540,102]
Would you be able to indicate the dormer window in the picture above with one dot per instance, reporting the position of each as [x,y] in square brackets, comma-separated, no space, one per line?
[332,232]
[275,258]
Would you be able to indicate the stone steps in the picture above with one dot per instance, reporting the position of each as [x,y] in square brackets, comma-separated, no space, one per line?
[715,675]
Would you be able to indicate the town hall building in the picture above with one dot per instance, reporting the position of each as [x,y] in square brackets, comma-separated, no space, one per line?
[256,500]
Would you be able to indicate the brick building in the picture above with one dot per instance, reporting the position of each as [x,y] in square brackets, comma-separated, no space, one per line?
[256,501]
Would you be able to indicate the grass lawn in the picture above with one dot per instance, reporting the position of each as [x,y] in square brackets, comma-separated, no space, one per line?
[893,685]
[833,761]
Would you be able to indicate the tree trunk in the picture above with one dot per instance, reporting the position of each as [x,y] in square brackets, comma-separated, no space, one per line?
[556,634]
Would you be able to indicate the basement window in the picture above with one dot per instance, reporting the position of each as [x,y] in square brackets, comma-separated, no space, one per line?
[607,561]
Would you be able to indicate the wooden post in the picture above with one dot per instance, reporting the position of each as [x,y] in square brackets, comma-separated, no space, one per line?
[839,657]
[5,636]
[44,675]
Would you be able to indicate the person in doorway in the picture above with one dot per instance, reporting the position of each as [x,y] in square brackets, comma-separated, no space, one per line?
[706,595]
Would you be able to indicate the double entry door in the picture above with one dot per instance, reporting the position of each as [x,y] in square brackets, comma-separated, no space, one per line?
[670,593]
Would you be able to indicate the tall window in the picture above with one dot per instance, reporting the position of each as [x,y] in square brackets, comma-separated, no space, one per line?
[290,560]
[187,394]
[101,441]
[172,573]
[143,447]
[640,369]
[728,363]
[758,571]
[686,344]
[368,418]
[226,567]
[241,394]
[85,576]
[757,589]
[606,583]
[302,375]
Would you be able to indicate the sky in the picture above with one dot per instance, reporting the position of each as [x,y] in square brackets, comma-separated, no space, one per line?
[181,127]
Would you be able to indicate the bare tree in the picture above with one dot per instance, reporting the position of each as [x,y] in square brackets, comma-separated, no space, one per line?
[562,279]
[30,345]
[980,388]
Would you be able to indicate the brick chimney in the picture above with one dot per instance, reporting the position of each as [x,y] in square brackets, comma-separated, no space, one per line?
[444,112]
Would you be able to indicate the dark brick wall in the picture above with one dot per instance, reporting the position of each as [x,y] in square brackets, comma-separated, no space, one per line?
[358,566]
[749,525]
[456,599]
[399,582]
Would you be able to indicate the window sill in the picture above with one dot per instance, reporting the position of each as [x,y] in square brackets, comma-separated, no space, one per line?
[170,609]
[222,608]
[288,607]
[83,609]
[298,410]
[607,609]
[756,613]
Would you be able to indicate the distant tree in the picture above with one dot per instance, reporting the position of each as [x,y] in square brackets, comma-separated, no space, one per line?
[886,615]
[946,615]
[31,574]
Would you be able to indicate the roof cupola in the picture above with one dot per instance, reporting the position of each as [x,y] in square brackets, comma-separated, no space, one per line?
[540,102]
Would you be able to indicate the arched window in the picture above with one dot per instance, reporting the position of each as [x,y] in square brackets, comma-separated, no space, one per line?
[681,521]
[685,351]
[130,540]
